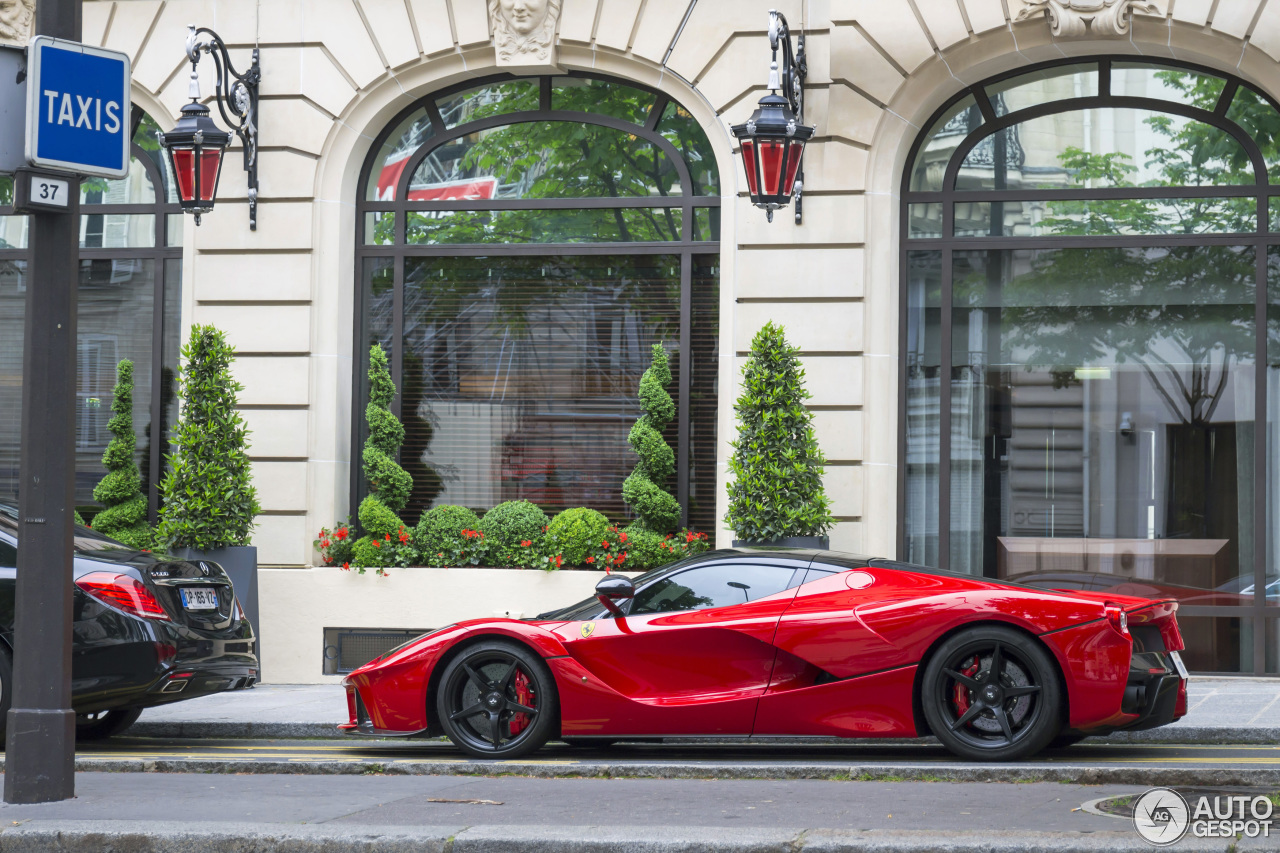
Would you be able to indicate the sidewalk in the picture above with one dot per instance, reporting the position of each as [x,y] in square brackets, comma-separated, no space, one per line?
[1220,710]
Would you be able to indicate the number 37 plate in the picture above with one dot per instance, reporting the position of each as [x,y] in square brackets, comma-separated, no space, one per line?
[36,191]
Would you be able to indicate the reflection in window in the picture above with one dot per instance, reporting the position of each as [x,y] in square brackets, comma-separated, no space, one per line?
[483,102]
[598,225]
[543,159]
[1137,80]
[1261,121]
[942,140]
[1105,394]
[710,586]
[1100,292]
[1096,217]
[518,364]
[1103,148]
[520,373]
[588,95]
[1038,87]
[134,265]
[393,155]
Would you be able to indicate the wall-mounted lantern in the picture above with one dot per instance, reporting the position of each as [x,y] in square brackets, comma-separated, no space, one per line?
[196,143]
[773,139]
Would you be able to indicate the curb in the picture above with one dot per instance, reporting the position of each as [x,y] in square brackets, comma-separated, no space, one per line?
[1147,776]
[329,731]
[162,837]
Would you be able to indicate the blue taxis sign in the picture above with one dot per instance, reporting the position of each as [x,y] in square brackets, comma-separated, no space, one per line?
[77,108]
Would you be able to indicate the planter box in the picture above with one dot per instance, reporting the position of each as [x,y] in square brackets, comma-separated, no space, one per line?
[819,543]
[298,604]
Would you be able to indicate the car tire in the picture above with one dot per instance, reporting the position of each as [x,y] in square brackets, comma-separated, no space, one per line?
[105,724]
[991,693]
[479,701]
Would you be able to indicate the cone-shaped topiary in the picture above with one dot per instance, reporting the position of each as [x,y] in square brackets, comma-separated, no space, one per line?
[645,489]
[389,484]
[209,498]
[124,516]
[777,465]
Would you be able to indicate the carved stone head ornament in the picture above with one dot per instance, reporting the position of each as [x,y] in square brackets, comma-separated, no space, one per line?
[16,17]
[523,30]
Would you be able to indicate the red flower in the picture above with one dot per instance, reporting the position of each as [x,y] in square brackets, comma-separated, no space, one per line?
[388,536]
[525,543]
[622,537]
[688,537]
[604,545]
[404,537]
[340,533]
[324,543]
[346,567]
[590,560]
[377,544]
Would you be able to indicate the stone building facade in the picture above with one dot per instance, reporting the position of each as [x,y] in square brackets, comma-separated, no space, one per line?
[338,73]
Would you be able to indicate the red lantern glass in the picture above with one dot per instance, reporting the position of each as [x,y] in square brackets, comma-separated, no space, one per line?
[772,147]
[195,147]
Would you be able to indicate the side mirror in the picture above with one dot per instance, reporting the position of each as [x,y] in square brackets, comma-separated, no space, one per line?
[614,588]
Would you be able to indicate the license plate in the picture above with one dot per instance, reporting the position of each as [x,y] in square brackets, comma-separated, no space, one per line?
[200,598]
[1179,665]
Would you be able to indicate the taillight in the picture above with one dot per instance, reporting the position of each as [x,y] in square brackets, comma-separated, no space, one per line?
[1118,619]
[123,593]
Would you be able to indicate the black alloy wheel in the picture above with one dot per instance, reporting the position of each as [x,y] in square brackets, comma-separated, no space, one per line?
[497,700]
[101,725]
[991,693]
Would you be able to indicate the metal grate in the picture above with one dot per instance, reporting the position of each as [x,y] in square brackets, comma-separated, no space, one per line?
[347,649]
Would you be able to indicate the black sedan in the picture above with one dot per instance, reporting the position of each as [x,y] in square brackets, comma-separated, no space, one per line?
[148,630]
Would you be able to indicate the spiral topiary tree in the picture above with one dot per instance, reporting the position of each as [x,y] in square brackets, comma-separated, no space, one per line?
[124,516]
[777,466]
[389,484]
[209,501]
[644,490]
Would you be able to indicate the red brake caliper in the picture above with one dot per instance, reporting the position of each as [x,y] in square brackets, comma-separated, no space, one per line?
[962,692]
[525,696]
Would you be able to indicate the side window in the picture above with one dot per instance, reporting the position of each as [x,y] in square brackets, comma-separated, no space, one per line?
[8,555]
[711,586]
[816,574]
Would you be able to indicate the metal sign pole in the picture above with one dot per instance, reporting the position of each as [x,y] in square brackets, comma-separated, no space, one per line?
[40,732]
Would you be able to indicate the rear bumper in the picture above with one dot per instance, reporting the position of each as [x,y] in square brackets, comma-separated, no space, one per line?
[1156,701]
[146,673]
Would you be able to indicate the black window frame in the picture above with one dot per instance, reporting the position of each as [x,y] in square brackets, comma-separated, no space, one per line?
[158,254]
[686,248]
[1265,619]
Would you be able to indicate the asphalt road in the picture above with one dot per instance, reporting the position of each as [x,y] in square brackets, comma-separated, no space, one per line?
[407,801]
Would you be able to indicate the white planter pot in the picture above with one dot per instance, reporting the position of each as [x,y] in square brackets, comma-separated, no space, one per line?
[298,604]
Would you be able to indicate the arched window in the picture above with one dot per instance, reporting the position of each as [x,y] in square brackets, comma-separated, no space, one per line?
[129,306]
[1091,280]
[521,244]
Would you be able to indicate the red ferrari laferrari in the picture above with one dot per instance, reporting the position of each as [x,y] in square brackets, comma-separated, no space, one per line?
[778,643]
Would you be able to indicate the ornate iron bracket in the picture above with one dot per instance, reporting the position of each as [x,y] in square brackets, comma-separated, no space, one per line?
[237,98]
[790,82]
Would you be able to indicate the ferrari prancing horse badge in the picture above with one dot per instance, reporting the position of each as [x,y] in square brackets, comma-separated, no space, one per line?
[587,628]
